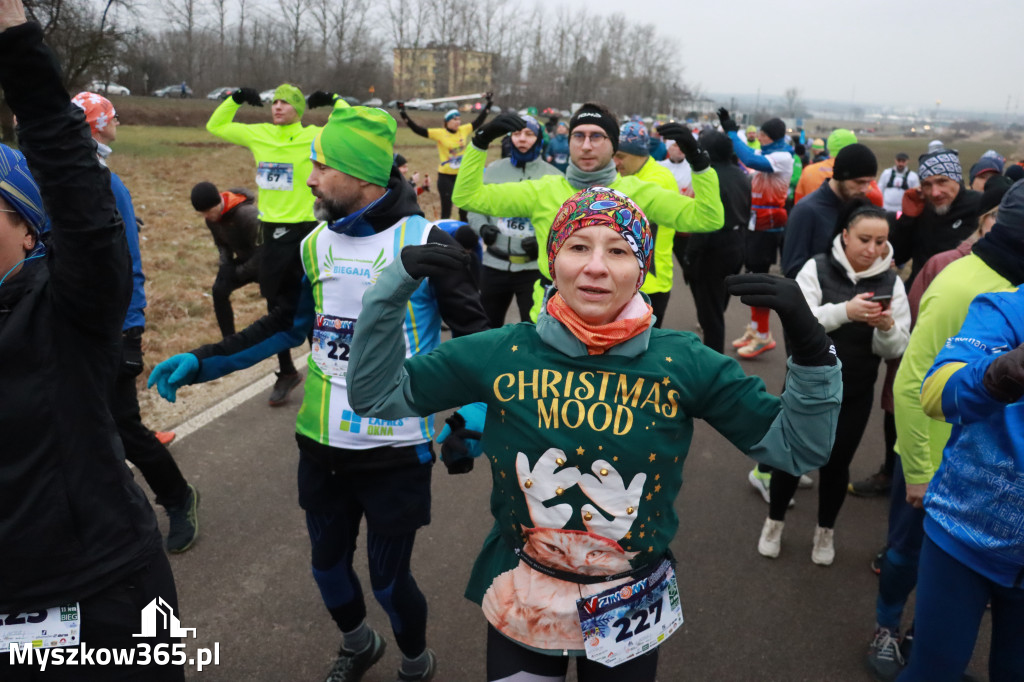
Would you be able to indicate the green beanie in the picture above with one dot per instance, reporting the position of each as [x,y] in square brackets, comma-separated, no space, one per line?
[840,137]
[291,94]
[358,141]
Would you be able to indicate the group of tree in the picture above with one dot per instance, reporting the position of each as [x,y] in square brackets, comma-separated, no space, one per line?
[545,55]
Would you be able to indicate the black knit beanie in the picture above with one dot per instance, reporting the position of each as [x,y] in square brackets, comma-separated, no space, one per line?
[855,161]
[205,196]
[592,114]
[774,128]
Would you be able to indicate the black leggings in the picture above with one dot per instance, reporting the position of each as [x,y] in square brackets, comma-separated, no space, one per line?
[509,662]
[858,398]
[445,185]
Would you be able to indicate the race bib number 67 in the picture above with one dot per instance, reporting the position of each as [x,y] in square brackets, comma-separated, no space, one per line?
[277,176]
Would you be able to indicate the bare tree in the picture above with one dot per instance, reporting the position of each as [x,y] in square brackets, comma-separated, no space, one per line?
[793,103]
[294,11]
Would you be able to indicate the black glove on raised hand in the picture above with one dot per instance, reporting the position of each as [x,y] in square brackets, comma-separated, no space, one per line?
[681,135]
[401,110]
[489,233]
[433,260]
[247,96]
[456,453]
[321,99]
[728,125]
[530,247]
[489,97]
[1004,378]
[501,125]
[808,340]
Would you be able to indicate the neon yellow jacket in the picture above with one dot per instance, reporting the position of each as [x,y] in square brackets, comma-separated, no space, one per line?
[919,438]
[659,279]
[282,161]
[540,199]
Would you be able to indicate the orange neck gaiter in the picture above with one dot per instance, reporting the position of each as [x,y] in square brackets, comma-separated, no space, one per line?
[600,337]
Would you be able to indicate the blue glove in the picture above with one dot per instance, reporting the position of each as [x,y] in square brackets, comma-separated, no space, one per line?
[173,373]
[460,438]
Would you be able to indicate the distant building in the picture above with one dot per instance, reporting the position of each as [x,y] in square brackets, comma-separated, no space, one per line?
[429,72]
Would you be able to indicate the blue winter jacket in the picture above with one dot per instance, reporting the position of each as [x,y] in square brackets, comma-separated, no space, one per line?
[136,316]
[975,502]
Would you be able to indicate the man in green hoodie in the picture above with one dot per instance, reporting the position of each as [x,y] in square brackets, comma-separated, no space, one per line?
[281,152]
[593,141]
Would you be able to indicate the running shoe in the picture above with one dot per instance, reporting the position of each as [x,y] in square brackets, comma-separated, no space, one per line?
[184,522]
[824,551]
[806,481]
[876,561]
[761,482]
[165,437]
[758,345]
[350,666]
[748,336]
[427,674]
[885,658]
[873,486]
[770,543]
[282,387]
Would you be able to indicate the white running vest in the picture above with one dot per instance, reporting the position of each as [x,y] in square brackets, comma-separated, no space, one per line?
[340,268]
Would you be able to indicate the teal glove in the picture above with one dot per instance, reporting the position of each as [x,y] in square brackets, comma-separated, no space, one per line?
[460,437]
[173,373]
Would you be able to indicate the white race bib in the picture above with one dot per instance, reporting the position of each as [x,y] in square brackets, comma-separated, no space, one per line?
[57,626]
[629,620]
[332,338]
[274,176]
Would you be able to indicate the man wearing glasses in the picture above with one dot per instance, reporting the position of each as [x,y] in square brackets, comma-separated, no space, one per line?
[593,141]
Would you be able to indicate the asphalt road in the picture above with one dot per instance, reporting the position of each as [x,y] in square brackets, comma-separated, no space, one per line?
[246,584]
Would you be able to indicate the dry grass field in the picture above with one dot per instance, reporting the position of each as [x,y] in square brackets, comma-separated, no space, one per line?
[163,149]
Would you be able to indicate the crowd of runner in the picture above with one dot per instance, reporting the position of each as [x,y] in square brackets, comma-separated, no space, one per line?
[582,402]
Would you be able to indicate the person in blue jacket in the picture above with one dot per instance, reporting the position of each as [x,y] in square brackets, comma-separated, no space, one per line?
[143,448]
[973,551]
[558,150]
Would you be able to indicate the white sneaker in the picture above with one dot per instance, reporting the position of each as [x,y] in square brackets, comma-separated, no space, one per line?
[806,481]
[771,538]
[824,552]
[761,482]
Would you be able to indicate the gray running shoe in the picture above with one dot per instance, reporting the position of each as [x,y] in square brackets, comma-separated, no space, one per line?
[351,666]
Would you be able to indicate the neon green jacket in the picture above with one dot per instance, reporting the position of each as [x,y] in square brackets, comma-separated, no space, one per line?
[540,199]
[659,279]
[919,438]
[282,161]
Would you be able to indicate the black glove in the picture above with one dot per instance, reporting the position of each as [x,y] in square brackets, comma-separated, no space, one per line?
[247,96]
[1004,378]
[529,245]
[401,110]
[455,452]
[681,135]
[809,342]
[321,99]
[489,233]
[501,125]
[728,125]
[467,238]
[433,260]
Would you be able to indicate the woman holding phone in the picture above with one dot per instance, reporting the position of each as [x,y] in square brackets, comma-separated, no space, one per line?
[857,297]
[589,415]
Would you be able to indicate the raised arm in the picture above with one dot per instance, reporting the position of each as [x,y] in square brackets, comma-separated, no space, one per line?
[413,126]
[90,271]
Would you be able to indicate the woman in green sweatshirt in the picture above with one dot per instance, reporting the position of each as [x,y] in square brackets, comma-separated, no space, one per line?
[589,416]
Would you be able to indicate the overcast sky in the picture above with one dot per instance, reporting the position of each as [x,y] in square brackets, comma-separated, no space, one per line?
[968,54]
